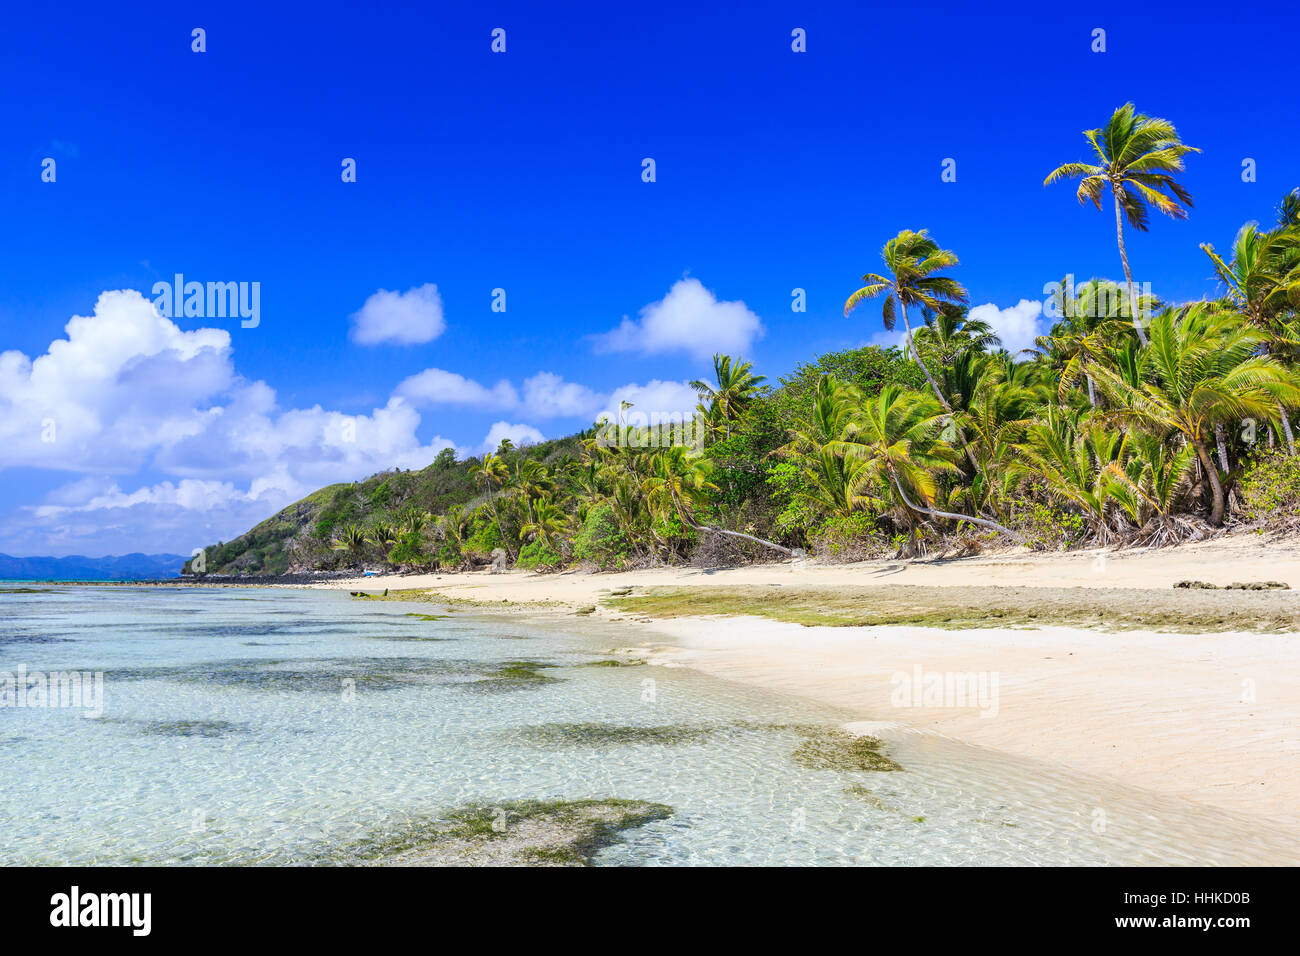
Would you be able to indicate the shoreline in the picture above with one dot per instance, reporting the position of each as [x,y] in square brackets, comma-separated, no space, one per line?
[1204,707]
[1212,717]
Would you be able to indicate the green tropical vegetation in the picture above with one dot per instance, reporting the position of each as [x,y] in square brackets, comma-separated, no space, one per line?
[1132,421]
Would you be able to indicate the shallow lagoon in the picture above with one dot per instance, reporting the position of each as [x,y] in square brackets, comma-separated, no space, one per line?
[290,726]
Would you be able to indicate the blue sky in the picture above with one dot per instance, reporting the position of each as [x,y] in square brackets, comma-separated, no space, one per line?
[522,170]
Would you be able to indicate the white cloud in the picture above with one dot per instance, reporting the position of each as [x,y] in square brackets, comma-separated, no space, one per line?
[1017,326]
[403,318]
[519,434]
[128,391]
[689,318]
[656,399]
[435,386]
[546,395]
[124,380]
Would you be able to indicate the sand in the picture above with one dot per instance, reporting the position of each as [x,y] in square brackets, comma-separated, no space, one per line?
[1211,714]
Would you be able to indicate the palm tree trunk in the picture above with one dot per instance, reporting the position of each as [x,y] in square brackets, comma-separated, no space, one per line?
[1216,487]
[1286,430]
[1092,391]
[1222,448]
[955,517]
[500,530]
[934,387]
[740,534]
[1117,191]
[916,354]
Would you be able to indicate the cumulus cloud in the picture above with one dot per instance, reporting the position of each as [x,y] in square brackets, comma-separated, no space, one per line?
[435,386]
[547,395]
[519,434]
[690,319]
[128,391]
[402,318]
[1017,326]
[658,400]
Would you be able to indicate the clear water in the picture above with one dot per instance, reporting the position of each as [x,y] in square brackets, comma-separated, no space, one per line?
[227,736]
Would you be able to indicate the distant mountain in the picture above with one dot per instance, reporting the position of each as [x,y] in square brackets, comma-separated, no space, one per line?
[126,567]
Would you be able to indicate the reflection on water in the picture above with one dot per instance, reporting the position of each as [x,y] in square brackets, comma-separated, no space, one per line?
[293,726]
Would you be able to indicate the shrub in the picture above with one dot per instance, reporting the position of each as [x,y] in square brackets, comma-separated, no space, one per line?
[599,541]
[841,539]
[539,555]
[1046,528]
[1270,487]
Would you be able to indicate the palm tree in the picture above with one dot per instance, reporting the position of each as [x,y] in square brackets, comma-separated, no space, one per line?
[1202,369]
[951,332]
[1087,332]
[383,535]
[913,260]
[490,473]
[548,522]
[896,437]
[532,482]
[1262,279]
[735,388]
[353,539]
[453,526]
[1288,211]
[679,483]
[1137,156]
[1072,451]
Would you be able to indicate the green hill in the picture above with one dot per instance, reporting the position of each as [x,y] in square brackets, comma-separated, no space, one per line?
[299,537]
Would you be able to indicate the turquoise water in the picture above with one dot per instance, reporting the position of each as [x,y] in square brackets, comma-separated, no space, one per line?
[285,726]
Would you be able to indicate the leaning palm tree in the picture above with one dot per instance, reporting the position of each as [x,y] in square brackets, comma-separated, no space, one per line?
[1202,369]
[895,435]
[734,389]
[679,483]
[1137,156]
[913,259]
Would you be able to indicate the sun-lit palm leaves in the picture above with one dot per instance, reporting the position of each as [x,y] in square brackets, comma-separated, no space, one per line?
[1072,452]
[733,389]
[1263,283]
[895,440]
[1093,324]
[549,522]
[896,437]
[1261,277]
[382,534]
[1202,368]
[1136,158]
[913,261]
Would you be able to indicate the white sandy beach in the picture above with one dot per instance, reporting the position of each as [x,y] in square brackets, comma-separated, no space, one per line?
[1211,717]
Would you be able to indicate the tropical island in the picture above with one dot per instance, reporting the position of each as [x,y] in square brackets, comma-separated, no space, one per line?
[1133,422]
